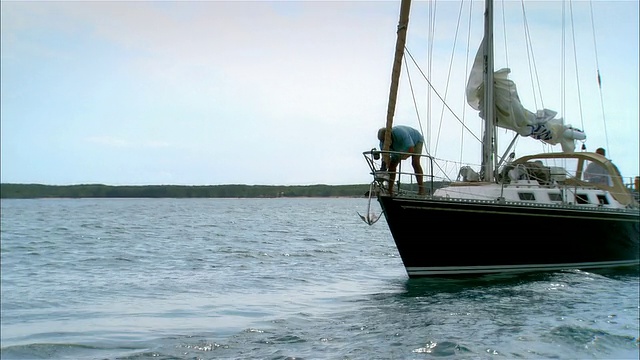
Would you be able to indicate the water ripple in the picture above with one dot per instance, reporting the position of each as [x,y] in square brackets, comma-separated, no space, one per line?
[275,279]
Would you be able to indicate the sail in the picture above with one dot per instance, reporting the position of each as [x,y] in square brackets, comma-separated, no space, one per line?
[510,114]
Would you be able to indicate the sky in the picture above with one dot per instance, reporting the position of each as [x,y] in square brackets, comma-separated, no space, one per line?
[276,92]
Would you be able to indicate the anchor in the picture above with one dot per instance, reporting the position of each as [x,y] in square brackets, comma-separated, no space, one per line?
[370,218]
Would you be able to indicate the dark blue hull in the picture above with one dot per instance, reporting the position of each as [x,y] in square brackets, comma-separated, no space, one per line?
[450,237]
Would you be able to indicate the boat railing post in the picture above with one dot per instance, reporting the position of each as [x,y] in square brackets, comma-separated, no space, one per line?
[429,166]
[399,176]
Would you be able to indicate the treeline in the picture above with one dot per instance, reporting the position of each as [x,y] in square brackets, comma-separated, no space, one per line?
[31,191]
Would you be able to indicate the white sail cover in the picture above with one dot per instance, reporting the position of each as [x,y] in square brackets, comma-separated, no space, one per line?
[510,114]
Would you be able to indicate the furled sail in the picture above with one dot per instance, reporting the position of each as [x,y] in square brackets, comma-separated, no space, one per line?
[510,114]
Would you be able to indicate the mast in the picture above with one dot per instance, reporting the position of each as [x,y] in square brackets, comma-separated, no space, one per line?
[403,24]
[488,141]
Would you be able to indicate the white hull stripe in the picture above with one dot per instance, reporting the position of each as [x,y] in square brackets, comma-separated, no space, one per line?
[443,270]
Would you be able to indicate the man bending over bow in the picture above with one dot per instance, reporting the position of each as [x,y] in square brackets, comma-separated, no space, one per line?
[407,140]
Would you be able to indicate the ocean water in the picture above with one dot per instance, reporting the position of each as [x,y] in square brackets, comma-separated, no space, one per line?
[277,279]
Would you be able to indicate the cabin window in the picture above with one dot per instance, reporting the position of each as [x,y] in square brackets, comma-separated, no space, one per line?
[555,196]
[526,196]
[582,199]
[602,199]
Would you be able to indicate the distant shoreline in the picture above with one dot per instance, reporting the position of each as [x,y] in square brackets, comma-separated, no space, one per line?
[34,191]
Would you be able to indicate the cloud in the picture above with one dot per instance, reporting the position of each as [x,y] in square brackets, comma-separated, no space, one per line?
[257,88]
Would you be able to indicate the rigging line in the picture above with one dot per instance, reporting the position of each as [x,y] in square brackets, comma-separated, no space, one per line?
[536,88]
[506,57]
[446,89]
[466,76]
[575,59]
[416,106]
[445,174]
[413,97]
[504,35]
[533,70]
[563,50]
[530,56]
[438,95]
[595,47]
[431,43]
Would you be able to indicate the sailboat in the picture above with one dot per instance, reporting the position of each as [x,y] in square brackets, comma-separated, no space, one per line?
[538,212]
